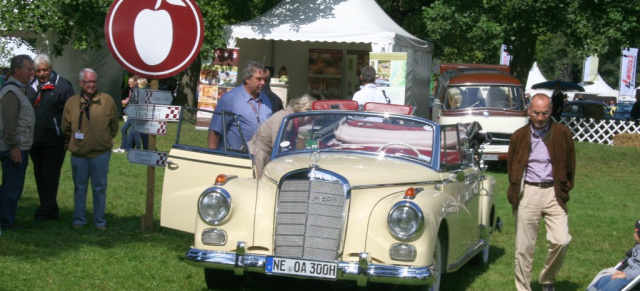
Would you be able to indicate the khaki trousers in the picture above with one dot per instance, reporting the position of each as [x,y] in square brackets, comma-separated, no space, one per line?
[538,203]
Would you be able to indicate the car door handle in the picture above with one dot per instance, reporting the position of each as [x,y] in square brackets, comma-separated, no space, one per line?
[172,165]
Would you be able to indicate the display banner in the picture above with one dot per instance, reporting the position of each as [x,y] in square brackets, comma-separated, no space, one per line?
[391,74]
[590,73]
[217,76]
[628,71]
[505,57]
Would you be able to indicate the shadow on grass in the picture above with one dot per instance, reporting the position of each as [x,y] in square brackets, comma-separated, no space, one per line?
[459,280]
[497,166]
[56,238]
[562,285]
[467,274]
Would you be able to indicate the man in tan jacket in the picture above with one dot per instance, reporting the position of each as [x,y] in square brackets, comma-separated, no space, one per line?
[90,122]
[541,167]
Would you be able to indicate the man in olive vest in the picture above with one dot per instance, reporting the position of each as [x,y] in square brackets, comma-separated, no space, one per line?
[17,121]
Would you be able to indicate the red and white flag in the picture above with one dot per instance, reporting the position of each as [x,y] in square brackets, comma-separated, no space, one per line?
[628,71]
[505,57]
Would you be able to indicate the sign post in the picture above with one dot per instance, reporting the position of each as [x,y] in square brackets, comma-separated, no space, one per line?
[153,112]
[150,119]
[153,41]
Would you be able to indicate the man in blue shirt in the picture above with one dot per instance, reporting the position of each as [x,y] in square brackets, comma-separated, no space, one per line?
[250,105]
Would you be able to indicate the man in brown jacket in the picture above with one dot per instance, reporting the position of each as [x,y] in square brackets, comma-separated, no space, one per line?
[90,122]
[541,167]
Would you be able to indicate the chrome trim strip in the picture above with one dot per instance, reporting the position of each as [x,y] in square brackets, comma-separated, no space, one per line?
[362,271]
[273,181]
[480,244]
[239,261]
[369,186]
[207,162]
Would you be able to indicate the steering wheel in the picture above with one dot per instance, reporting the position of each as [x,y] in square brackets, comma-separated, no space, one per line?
[507,103]
[385,146]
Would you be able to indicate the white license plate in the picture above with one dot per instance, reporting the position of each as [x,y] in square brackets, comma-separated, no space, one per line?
[490,157]
[305,268]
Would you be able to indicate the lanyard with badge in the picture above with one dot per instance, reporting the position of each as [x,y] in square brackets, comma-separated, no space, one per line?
[79,134]
[257,112]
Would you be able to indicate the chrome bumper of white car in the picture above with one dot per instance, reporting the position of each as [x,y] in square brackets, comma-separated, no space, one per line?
[362,272]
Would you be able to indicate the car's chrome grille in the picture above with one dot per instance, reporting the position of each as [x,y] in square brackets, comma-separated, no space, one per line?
[499,138]
[309,218]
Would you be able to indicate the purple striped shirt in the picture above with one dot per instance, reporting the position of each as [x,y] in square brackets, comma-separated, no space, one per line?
[539,168]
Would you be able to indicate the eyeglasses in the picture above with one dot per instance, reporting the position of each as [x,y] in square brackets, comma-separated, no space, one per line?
[88,82]
[544,113]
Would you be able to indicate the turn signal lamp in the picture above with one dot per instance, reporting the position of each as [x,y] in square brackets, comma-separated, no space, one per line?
[214,237]
[410,193]
[221,179]
[402,252]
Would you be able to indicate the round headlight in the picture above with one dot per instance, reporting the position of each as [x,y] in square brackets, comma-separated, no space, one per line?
[214,205]
[405,219]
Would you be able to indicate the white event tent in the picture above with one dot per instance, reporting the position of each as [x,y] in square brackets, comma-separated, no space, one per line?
[598,87]
[284,35]
[535,77]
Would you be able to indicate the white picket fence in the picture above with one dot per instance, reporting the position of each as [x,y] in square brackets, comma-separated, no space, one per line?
[590,130]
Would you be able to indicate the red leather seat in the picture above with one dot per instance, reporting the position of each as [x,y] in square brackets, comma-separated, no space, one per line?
[334,105]
[390,108]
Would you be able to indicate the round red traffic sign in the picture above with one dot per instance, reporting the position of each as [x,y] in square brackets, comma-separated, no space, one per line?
[154,39]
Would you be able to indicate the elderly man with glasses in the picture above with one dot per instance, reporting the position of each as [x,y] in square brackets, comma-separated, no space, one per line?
[541,164]
[90,122]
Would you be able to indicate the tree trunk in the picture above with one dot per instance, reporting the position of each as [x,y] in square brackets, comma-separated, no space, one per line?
[189,79]
[524,51]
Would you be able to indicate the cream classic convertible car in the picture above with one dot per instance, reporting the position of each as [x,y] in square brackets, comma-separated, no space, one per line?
[348,195]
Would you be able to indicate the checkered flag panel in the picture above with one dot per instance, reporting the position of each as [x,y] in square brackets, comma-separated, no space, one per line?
[162,159]
[173,114]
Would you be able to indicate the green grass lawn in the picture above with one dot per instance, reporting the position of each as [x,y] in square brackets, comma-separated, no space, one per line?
[54,256]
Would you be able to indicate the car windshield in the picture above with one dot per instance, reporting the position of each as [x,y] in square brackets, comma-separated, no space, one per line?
[486,96]
[401,136]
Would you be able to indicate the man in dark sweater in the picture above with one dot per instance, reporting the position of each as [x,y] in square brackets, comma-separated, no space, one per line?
[266,89]
[48,93]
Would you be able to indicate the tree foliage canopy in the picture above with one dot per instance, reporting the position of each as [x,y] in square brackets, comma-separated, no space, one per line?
[81,22]
[472,31]
[461,30]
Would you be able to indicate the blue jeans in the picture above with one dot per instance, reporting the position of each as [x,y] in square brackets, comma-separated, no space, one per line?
[124,132]
[132,139]
[11,187]
[95,169]
[606,284]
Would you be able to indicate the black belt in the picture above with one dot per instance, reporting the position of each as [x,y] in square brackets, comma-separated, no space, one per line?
[540,184]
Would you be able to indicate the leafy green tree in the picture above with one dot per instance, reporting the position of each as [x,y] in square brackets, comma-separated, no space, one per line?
[81,24]
[557,60]
[472,31]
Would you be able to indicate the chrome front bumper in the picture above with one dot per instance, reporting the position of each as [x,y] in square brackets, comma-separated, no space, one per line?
[362,272]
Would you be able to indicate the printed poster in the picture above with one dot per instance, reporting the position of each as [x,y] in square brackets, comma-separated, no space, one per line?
[218,75]
[391,74]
